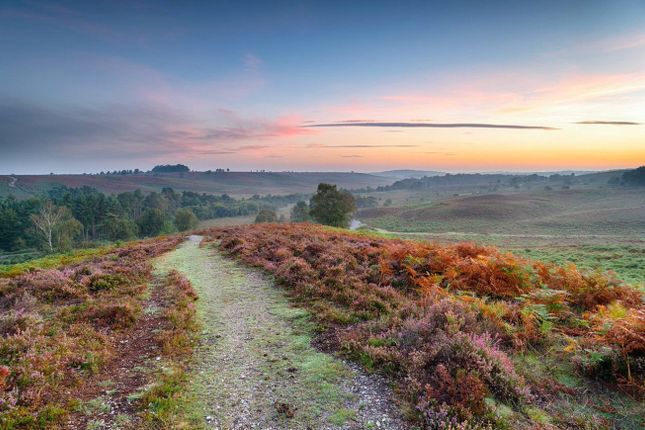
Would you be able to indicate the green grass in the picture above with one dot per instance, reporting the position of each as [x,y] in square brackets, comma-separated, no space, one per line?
[54,260]
[341,416]
[168,404]
[626,261]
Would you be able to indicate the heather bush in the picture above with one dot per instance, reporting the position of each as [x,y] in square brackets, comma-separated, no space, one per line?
[17,320]
[119,315]
[105,281]
[51,285]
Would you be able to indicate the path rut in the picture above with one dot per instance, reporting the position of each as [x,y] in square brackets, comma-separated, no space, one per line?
[255,367]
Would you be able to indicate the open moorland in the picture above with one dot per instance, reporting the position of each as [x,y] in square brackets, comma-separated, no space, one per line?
[238,322]
[580,220]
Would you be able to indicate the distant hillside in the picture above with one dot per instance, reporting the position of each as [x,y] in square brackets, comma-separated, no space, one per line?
[407,173]
[233,183]
[587,210]
[493,180]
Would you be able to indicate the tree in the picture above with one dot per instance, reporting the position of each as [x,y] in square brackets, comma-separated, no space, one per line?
[331,206]
[300,212]
[119,228]
[10,230]
[185,219]
[266,215]
[151,223]
[55,225]
[66,233]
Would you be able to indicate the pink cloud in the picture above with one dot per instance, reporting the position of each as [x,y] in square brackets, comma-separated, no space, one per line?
[466,97]
[232,129]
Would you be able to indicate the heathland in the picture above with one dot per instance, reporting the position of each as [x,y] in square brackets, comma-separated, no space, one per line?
[295,325]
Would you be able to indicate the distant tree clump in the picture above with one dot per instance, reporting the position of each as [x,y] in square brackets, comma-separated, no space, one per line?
[331,206]
[366,202]
[170,168]
[185,219]
[635,177]
[300,212]
[266,215]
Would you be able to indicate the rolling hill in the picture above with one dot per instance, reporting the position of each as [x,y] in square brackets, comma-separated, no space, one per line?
[233,183]
[589,211]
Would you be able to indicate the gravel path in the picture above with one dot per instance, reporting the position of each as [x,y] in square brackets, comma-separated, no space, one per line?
[255,367]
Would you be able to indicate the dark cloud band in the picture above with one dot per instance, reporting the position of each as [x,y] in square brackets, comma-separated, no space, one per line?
[608,123]
[369,146]
[430,125]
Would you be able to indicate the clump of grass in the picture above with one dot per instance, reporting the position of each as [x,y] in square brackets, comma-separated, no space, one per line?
[162,402]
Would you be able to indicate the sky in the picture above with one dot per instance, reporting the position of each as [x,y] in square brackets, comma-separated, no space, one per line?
[322,85]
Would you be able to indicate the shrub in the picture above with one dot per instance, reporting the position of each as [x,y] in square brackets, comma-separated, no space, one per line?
[51,285]
[105,282]
[266,215]
[114,315]
[185,219]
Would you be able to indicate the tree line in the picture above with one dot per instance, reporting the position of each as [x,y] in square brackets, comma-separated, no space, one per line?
[66,217]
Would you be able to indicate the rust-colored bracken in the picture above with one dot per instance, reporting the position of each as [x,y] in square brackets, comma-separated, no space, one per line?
[444,321]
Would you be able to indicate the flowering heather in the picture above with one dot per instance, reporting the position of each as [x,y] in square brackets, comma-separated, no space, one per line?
[57,327]
[446,322]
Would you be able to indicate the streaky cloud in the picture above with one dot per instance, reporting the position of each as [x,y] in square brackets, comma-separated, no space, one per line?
[608,123]
[429,125]
[369,146]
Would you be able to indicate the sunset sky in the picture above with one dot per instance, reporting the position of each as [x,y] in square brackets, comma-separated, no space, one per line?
[306,85]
